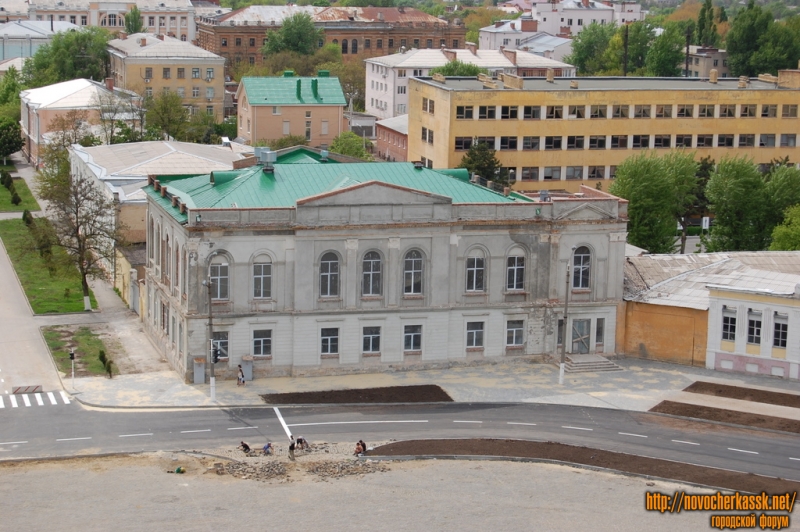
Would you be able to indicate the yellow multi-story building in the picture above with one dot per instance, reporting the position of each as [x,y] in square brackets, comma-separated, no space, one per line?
[562,133]
[150,64]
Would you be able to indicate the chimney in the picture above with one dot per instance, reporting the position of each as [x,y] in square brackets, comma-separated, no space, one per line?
[299,90]
[550,75]
[143,42]
[160,36]
[122,35]
[110,84]
[472,48]
[314,89]
[573,84]
[528,24]
[511,55]
[585,3]
[498,23]
[450,55]
[712,76]
[513,26]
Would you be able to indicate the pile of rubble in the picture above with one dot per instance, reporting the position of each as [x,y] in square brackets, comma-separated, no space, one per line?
[261,471]
[333,470]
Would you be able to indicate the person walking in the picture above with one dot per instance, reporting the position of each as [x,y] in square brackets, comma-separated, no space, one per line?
[291,448]
[241,382]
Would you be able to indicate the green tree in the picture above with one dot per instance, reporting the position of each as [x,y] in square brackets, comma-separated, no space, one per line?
[70,55]
[10,138]
[738,198]
[348,143]
[589,47]
[706,34]
[680,168]
[200,129]
[666,54]
[134,22]
[783,190]
[480,159]
[786,236]
[640,36]
[778,49]
[642,181]
[742,40]
[297,34]
[352,76]
[10,87]
[287,141]
[302,65]
[167,113]
[458,68]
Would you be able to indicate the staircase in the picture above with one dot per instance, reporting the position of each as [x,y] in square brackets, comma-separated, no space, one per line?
[589,363]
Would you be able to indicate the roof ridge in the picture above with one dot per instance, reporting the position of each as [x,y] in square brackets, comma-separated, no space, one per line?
[680,276]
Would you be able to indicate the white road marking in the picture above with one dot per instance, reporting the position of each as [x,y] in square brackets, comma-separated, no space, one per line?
[457,421]
[39,399]
[132,435]
[629,434]
[686,442]
[26,400]
[13,401]
[73,439]
[741,451]
[52,398]
[64,397]
[574,428]
[283,423]
[241,428]
[356,422]
[514,423]
[190,431]
[2,404]
[790,458]
[13,442]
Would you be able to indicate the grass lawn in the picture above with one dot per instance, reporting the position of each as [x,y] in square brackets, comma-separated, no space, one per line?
[28,201]
[8,167]
[46,292]
[87,346]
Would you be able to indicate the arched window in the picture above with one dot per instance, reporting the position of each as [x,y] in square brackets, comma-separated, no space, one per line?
[515,270]
[412,273]
[262,278]
[371,285]
[335,41]
[344,46]
[329,275]
[581,267]
[152,239]
[476,271]
[354,46]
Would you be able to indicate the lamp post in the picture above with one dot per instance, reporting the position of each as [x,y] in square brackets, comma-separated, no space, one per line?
[210,355]
[564,333]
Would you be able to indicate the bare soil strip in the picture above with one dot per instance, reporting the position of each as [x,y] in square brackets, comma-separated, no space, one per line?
[727,416]
[745,394]
[425,393]
[624,463]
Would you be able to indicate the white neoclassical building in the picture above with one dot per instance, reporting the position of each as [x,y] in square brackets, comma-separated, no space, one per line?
[331,268]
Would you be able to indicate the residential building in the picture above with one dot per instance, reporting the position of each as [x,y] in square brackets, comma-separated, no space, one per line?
[568,17]
[515,6]
[272,107]
[360,32]
[387,89]
[562,133]
[174,18]
[392,141]
[704,59]
[14,10]
[151,64]
[546,45]
[507,33]
[333,268]
[21,38]
[728,311]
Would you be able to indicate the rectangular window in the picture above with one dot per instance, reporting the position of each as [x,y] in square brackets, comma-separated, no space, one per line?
[641,111]
[766,140]
[401,73]
[427,104]
[412,338]
[725,141]
[788,140]
[597,172]
[575,143]
[220,341]
[209,73]
[727,111]
[619,141]
[552,173]
[597,142]
[705,111]
[401,89]
[574,172]
[455,44]
[599,334]
[330,341]
[262,280]
[324,127]
[747,110]
[210,110]
[209,92]
[514,332]
[747,140]
[769,111]
[487,112]
[705,141]
[781,330]
[663,111]
[475,277]
[552,143]
[683,141]
[287,127]
[427,135]
[641,141]
[195,92]
[474,334]
[367,44]
[379,44]
[530,143]
[371,340]
[238,41]
[148,73]
[728,325]
[555,112]
[84,20]
[508,143]
[620,111]
[577,111]
[789,111]
[181,73]
[685,111]
[531,112]
[181,91]
[224,42]
[754,327]
[509,112]
[464,112]
[485,140]
[515,273]
[598,111]
[463,143]
[252,42]
[262,342]
[219,281]
[662,141]
[529,173]
[195,73]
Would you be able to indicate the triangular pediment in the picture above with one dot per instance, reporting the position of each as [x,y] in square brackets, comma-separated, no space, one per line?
[373,193]
[584,211]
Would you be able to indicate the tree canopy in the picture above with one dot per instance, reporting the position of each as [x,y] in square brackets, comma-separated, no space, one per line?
[589,47]
[480,159]
[134,22]
[666,53]
[458,68]
[786,236]
[297,34]
[70,55]
[10,87]
[166,112]
[348,143]
[10,138]
[756,44]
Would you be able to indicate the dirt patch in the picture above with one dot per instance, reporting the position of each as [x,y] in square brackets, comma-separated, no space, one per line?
[745,394]
[727,416]
[625,463]
[426,393]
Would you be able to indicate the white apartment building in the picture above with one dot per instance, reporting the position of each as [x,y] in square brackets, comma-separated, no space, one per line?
[569,17]
[387,76]
[522,34]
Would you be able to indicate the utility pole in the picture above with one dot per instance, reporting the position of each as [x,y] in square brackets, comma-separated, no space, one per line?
[625,53]
[564,330]
[688,42]
[210,355]
[72,359]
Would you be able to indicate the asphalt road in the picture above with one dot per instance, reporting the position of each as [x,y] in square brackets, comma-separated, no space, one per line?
[70,430]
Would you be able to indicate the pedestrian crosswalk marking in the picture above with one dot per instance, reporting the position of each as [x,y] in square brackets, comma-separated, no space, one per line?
[52,398]
[13,401]
[39,399]
[64,397]
[26,400]
[2,404]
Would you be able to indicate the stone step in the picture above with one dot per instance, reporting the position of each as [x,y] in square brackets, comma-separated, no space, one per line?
[588,363]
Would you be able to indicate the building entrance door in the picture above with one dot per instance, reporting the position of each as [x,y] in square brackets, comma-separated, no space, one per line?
[580,336]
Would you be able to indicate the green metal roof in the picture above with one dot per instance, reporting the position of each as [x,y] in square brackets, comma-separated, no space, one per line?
[303,156]
[254,188]
[284,91]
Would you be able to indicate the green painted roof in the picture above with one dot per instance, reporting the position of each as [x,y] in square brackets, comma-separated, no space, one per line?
[303,156]
[254,188]
[283,91]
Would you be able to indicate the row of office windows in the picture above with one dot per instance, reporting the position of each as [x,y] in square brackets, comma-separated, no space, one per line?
[602,111]
[780,328]
[180,73]
[181,91]
[352,45]
[623,142]
[413,265]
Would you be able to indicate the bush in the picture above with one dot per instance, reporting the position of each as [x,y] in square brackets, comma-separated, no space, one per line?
[27,217]
[7,180]
[15,199]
